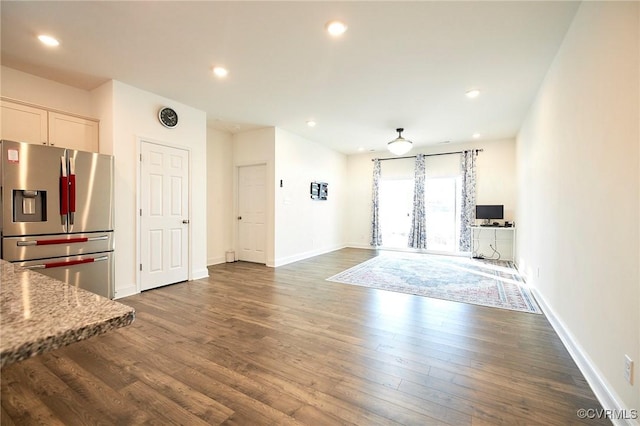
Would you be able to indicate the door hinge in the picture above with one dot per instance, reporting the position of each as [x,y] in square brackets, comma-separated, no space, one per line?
[141,266]
[141,158]
[140,212]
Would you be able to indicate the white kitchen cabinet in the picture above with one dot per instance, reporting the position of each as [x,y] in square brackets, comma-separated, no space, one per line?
[22,122]
[72,132]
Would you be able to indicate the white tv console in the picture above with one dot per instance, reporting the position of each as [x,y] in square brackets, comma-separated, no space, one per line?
[484,239]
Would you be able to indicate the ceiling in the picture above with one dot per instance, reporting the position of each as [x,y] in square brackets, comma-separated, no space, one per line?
[400,64]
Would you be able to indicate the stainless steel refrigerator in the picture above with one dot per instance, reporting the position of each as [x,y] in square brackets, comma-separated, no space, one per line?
[56,213]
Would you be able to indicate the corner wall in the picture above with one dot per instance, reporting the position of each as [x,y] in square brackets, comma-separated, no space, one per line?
[297,227]
[306,227]
[219,195]
[578,199]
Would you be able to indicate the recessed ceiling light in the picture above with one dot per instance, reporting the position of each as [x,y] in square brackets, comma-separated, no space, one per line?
[311,123]
[220,71]
[473,93]
[361,149]
[336,28]
[48,40]
[476,135]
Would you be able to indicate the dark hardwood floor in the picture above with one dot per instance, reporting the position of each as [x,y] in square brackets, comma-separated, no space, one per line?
[254,345]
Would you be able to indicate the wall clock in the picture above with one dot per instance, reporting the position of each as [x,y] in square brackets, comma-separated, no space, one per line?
[168,117]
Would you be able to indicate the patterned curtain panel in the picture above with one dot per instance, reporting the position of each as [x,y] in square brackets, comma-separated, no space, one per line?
[468,210]
[418,233]
[376,235]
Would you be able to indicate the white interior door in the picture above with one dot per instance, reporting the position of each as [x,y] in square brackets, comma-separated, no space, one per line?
[252,202]
[164,221]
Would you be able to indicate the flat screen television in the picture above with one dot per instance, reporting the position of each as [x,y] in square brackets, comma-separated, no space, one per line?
[489,212]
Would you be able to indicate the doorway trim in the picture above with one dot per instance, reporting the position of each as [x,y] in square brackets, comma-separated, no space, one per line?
[236,208]
[139,141]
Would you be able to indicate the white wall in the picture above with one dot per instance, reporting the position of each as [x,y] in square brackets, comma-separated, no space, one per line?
[135,118]
[220,203]
[496,180]
[40,91]
[253,148]
[103,107]
[578,196]
[306,227]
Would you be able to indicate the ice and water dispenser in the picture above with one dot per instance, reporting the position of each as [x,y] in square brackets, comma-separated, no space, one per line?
[29,206]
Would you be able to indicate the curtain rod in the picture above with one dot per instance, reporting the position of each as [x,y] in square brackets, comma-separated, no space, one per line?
[426,155]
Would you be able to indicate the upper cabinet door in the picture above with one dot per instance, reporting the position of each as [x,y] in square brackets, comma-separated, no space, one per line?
[71,132]
[22,123]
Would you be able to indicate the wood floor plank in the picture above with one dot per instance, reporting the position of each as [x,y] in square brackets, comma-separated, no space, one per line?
[245,405]
[159,406]
[98,395]
[394,405]
[24,406]
[7,420]
[539,399]
[196,403]
[67,406]
[94,358]
[263,346]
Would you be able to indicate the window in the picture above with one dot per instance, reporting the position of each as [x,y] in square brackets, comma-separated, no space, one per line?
[396,201]
[442,201]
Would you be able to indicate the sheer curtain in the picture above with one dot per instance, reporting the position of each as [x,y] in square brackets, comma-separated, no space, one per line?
[418,232]
[468,207]
[376,235]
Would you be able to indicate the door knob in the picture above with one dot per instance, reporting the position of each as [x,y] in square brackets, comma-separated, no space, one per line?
[185,221]
[239,217]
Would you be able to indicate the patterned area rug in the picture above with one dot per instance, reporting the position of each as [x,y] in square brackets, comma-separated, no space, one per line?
[458,279]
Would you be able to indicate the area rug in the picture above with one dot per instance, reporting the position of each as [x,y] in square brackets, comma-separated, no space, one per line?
[458,279]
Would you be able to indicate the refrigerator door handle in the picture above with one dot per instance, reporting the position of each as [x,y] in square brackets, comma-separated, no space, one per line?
[102,237]
[60,241]
[53,242]
[64,191]
[72,189]
[66,263]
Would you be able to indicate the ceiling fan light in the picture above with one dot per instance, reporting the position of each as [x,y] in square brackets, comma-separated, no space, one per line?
[399,145]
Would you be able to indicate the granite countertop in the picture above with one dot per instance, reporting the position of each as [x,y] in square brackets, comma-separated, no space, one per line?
[39,314]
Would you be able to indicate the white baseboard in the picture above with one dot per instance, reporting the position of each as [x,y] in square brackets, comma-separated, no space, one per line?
[132,290]
[200,273]
[360,246]
[408,250]
[601,388]
[125,292]
[305,255]
[216,260]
